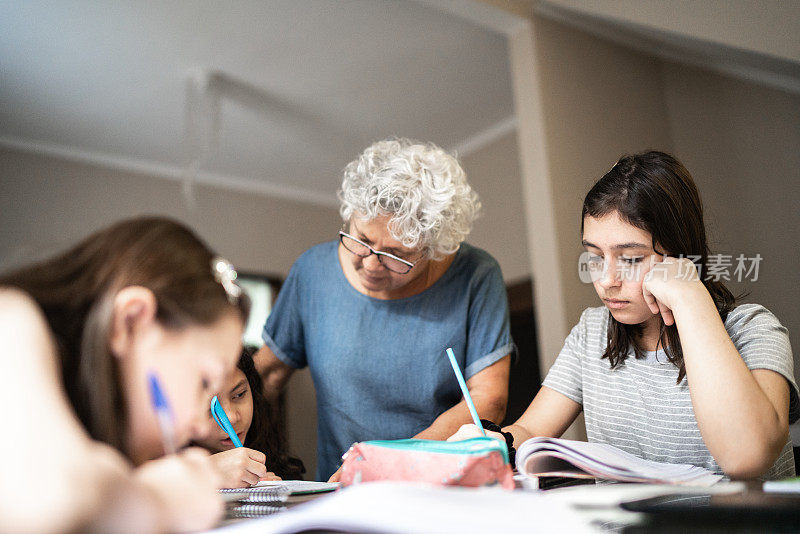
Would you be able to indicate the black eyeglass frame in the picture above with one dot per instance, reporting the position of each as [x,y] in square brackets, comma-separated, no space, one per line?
[378,253]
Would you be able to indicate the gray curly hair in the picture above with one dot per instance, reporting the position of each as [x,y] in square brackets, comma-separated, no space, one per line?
[421,187]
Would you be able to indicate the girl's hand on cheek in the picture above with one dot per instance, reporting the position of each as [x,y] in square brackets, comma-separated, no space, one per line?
[668,284]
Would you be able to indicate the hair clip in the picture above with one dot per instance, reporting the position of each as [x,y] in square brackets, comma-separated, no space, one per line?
[225,274]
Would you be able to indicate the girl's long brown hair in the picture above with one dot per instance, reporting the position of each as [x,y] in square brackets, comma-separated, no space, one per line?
[265,433]
[76,290]
[653,191]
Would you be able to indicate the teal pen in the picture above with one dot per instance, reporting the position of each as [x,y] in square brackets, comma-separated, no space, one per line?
[224,423]
[464,390]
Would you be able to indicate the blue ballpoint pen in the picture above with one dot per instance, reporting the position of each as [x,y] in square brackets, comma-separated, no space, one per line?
[222,420]
[464,390]
[166,422]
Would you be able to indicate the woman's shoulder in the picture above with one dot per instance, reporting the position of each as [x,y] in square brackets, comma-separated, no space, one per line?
[320,251]
[315,259]
[475,262]
[20,314]
[24,331]
[746,316]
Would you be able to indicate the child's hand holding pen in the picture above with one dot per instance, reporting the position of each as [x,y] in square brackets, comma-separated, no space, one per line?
[242,467]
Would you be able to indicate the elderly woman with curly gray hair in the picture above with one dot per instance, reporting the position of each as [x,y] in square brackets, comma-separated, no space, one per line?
[372,312]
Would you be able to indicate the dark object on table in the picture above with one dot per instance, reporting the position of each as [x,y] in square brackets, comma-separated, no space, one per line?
[750,511]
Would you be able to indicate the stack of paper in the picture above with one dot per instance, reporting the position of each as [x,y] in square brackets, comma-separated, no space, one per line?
[552,457]
[407,508]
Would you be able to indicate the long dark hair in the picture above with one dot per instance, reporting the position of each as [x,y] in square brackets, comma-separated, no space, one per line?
[76,291]
[653,191]
[264,434]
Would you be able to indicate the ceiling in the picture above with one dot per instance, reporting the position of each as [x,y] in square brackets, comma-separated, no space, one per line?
[307,84]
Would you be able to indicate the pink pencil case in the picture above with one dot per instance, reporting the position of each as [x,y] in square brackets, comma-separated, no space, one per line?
[472,462]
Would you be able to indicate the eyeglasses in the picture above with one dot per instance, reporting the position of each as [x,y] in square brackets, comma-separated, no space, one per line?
[361,249]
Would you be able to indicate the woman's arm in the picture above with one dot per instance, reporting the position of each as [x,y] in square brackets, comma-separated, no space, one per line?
[549,414]
[489,391]
[54,477]
[742,415]
[273,372]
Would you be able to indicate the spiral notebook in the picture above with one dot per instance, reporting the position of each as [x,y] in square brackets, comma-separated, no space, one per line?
[247,510]
[275,493]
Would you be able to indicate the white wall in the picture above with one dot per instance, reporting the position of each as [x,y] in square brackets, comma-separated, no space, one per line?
[769,27]
[493,171]
[741,142]
[47,204]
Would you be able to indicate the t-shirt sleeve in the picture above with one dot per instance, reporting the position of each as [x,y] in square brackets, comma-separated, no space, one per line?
[566,373]
[489,334]
[763,343]
[283,331]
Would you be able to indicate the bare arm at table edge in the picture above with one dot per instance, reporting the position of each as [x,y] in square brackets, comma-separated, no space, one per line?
[274,373]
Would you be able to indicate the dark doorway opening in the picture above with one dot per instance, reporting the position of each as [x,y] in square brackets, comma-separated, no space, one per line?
[525,377]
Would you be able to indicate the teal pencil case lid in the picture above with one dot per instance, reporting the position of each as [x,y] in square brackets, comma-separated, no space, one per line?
[473,446]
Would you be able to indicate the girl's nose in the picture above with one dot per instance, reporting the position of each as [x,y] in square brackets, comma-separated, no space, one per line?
[610,276]
[233,415]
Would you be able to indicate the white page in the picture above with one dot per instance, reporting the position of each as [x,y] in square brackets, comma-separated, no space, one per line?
[298,487]
[606,461]
[406,508]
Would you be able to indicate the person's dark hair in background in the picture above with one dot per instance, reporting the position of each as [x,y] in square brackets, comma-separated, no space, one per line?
[264,434]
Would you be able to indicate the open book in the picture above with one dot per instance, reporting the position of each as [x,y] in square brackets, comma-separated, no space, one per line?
[552,457]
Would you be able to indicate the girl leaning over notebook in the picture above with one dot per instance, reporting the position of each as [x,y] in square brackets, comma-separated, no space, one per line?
[669,369]
[263,455]
[137,316]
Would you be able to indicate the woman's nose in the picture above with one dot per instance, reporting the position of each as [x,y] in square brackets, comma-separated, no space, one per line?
[372,262]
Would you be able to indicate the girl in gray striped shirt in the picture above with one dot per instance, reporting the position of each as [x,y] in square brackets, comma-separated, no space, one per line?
[669,369]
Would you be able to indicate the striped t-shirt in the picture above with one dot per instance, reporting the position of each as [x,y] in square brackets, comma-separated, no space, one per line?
[639,408]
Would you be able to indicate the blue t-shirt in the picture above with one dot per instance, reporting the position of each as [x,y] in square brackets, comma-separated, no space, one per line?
[379,366]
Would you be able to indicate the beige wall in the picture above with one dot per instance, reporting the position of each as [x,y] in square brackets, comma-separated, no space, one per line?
[741,142]
[48,203]
[768,27]
[493,171]
[600,101]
